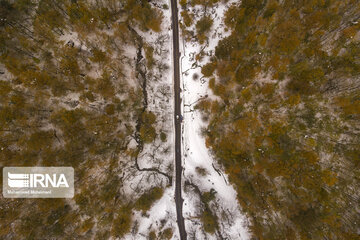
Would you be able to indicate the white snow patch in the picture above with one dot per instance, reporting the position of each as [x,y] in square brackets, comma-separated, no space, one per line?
[195,152]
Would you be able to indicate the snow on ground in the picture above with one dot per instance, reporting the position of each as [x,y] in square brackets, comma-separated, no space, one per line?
[5,75]
[159,154]
[194,149]
[72,39]
[162,209]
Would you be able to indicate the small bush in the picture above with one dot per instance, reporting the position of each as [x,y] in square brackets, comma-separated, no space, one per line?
[204,25]
[146,200]
[167,234]
[209,221]
[122,222]
[201,171]
[163,136]
[110,109]
[152,235]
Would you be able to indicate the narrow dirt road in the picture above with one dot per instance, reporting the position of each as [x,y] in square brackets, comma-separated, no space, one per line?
[177,90]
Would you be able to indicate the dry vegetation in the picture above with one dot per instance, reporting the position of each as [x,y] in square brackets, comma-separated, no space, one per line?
[71,95]
[287,126]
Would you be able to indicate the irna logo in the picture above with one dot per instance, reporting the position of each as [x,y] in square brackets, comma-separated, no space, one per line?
[18,180]
[38,182]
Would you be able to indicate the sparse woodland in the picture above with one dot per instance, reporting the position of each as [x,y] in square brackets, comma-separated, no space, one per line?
[73,94]
[286,123]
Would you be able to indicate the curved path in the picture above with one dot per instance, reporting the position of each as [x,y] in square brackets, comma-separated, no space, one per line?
[177,90]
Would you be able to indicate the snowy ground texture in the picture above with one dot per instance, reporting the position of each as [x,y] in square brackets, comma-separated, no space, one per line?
[159,154]
[232,222]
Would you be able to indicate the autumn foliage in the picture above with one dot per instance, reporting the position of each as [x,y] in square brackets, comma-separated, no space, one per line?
[284,129]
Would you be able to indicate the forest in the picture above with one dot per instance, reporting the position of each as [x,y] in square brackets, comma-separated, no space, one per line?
[78,85]
[73,94]
[285,123]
